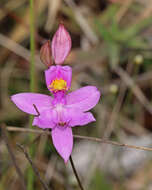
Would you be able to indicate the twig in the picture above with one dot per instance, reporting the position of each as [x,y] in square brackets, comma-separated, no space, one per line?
[39,131]
[27,130]
[45,186]
[75,173]
[20,175]
[113,143]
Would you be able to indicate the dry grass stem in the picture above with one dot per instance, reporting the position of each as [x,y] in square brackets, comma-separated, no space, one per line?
[39,131]
[45,186]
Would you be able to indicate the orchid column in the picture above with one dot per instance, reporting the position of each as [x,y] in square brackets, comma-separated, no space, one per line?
[61,111]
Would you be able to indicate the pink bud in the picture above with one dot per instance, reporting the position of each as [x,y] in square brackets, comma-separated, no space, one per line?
[61,45]
[45,54]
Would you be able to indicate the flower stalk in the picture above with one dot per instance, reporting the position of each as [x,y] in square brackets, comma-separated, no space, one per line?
[75,173]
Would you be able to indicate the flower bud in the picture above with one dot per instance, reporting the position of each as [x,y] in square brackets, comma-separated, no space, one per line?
[45,54]
[61,45]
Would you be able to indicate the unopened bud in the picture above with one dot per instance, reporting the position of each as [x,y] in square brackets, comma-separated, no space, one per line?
[61,45]
[45,54]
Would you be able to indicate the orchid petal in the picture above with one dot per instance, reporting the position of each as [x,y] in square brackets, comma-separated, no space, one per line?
[61,44]
[25,101]
[84,98]
[46,119]
[79,118]
[63,141]
[58,72]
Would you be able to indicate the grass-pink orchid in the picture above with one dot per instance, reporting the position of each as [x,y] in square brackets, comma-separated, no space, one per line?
[60,112]
[63,110]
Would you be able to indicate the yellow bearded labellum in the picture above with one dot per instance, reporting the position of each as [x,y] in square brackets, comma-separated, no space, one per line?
[58,84]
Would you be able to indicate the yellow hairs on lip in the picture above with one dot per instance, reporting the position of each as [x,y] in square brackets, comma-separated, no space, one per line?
[58,84]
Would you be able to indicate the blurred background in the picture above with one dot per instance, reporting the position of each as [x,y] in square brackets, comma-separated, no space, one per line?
[111,49]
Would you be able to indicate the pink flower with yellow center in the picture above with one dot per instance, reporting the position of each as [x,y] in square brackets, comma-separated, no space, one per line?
[64,110]
[61,112]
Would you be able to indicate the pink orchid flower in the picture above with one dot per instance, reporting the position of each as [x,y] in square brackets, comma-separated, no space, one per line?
[63,110]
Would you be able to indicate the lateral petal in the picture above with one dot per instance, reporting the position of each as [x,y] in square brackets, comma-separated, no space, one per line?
[84,98]
[79,118]
[25,101]
[63,141]
[46,119]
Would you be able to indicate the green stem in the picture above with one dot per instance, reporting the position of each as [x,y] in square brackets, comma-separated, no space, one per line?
[30,176]
[32,47]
